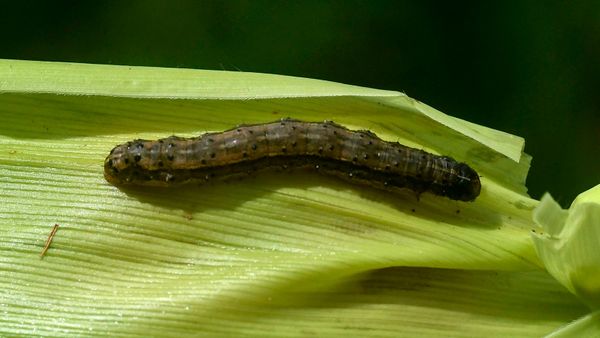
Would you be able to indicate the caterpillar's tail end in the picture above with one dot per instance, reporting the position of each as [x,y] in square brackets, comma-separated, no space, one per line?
[110,172]
[117,164]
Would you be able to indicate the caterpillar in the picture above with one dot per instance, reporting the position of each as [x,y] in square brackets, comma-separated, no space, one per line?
[326,147]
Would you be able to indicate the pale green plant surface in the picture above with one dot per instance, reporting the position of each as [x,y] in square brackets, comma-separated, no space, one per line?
[276,255]
[567,242]
[587,326]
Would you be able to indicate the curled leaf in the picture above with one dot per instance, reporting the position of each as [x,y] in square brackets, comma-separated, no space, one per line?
[569,243]
[277,255]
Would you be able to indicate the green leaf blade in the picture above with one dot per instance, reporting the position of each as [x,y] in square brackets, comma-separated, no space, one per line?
[279,255]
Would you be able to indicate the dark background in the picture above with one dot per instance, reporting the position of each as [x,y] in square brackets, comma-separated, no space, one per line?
[531,68]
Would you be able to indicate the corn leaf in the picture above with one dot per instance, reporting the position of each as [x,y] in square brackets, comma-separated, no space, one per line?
[278,255]
[567,241]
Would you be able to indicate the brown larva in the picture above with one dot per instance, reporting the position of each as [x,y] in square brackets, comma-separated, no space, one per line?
[331,149]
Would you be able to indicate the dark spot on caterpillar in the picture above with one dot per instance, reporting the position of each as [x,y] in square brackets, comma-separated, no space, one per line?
[386,165]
